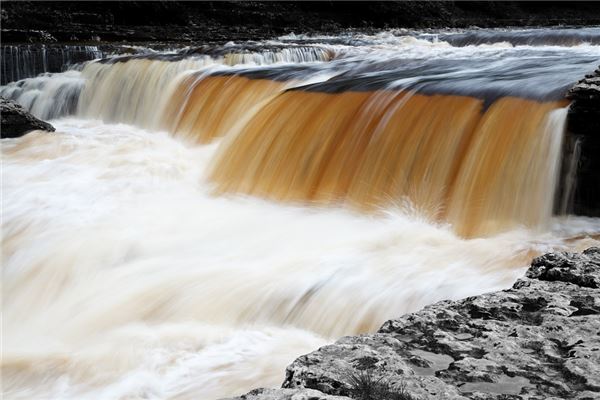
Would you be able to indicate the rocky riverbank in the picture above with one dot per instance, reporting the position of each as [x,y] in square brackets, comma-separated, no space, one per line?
[16,121]
[209,22]
[539,339]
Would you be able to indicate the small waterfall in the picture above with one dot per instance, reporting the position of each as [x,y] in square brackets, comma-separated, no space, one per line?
[110,88]
[285,55]
[129,89]
[26,61]
[571,163]
[47,96]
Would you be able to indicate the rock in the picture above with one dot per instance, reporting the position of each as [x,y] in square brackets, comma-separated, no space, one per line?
[587,89]
[583,144]
[538,340]
[287,394]
[581,270]
[16,121]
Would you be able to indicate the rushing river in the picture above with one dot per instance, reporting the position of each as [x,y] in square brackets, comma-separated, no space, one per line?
[197,221]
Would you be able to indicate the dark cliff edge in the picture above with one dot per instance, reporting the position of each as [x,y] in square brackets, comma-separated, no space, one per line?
[16,121]
[581,156]
[214,21]
[539,339]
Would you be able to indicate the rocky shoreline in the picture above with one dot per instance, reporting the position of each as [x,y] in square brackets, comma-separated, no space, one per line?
[539,339]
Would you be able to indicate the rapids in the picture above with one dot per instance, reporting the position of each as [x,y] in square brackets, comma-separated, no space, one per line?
[165,241]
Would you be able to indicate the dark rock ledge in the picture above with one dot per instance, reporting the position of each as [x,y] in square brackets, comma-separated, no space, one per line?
[538,340]
[583,133]
[16,121]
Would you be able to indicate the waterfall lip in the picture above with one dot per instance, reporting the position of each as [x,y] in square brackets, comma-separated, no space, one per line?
[390,62]
[535,36]
[275,73]
[216,51]
[532,37]
[528,78]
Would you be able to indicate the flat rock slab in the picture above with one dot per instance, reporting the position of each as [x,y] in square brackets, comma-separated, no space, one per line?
[16,121]
[539,339]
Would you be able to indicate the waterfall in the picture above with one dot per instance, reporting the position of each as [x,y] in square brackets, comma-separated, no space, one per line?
[47,96]
[26,61]
[486,171]
[202,216]
[443,137]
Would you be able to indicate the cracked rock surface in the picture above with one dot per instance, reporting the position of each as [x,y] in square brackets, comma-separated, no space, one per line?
[539,339]
[288,394]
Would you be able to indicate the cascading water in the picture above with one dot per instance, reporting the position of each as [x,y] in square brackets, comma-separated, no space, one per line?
[385,173]
[19,62]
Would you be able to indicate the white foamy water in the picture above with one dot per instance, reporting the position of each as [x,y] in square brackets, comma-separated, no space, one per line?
[123,277]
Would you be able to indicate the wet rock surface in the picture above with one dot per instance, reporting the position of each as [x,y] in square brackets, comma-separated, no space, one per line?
[583,126]
[16,121]
[538,340]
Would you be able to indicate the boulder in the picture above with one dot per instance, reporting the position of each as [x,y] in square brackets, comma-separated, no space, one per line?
[539,339]
[16,121]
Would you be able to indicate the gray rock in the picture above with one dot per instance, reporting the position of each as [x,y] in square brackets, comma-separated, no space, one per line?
[540,339]
[287,394]
[587,89]
[580,269]
[16,121]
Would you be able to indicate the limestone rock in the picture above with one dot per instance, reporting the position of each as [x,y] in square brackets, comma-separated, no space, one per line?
[581,269]
[287,394]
